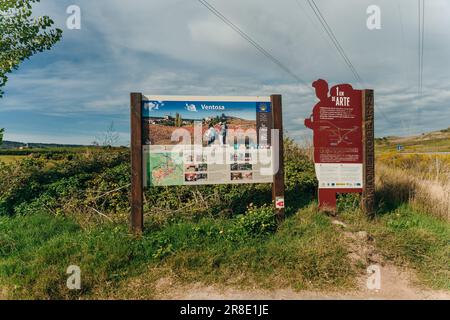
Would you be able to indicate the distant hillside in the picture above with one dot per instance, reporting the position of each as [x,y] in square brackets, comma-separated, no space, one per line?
[16,145]
[435,141]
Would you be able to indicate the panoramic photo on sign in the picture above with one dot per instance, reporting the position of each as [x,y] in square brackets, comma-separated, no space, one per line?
[206,140]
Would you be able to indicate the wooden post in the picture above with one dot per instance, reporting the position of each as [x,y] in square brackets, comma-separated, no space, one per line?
[137,206]
[368,197]
[278,178]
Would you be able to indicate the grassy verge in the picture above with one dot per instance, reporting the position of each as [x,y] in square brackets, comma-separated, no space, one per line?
[412,239]
[305,252]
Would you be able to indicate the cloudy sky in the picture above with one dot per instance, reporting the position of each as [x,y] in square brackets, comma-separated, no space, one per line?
[72,93]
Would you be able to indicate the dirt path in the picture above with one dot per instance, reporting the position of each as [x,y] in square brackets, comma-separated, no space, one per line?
[394,284]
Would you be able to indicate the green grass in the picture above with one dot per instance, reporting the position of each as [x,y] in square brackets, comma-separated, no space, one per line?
[306,252]
[412,239]
[431,142]
[36,250]
[10,159]
[434,145]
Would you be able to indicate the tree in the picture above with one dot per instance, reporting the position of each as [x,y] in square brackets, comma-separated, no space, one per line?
[1,136]
[109,138]
[178,120]
[22,36]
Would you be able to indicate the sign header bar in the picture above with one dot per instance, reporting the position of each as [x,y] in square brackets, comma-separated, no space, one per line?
[207,98]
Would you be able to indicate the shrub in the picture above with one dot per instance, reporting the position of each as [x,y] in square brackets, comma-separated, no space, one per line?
[299,170]
[25,182]
[109,190]
[256,222]
[97,181]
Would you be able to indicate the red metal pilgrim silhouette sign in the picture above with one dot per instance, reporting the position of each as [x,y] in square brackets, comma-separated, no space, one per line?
[340,151]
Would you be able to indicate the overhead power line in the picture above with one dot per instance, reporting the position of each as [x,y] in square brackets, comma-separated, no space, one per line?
[313,22]
[421,36]
[333,38]
[339,48]
[423,45]
[255,44]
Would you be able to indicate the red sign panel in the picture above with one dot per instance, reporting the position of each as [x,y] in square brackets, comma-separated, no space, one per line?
[336,121]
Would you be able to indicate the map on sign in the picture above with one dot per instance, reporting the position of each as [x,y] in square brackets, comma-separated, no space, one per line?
[206,140]
[339,135]
[164,169]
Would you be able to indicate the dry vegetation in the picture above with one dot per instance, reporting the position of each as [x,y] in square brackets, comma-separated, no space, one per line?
[420,179]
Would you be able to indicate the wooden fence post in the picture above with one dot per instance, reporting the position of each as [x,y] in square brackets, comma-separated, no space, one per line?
[137,206]
[278,178]
[368,197]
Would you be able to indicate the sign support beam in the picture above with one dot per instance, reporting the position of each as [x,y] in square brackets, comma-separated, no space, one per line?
[368,196]
[278,147]
[137,203]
